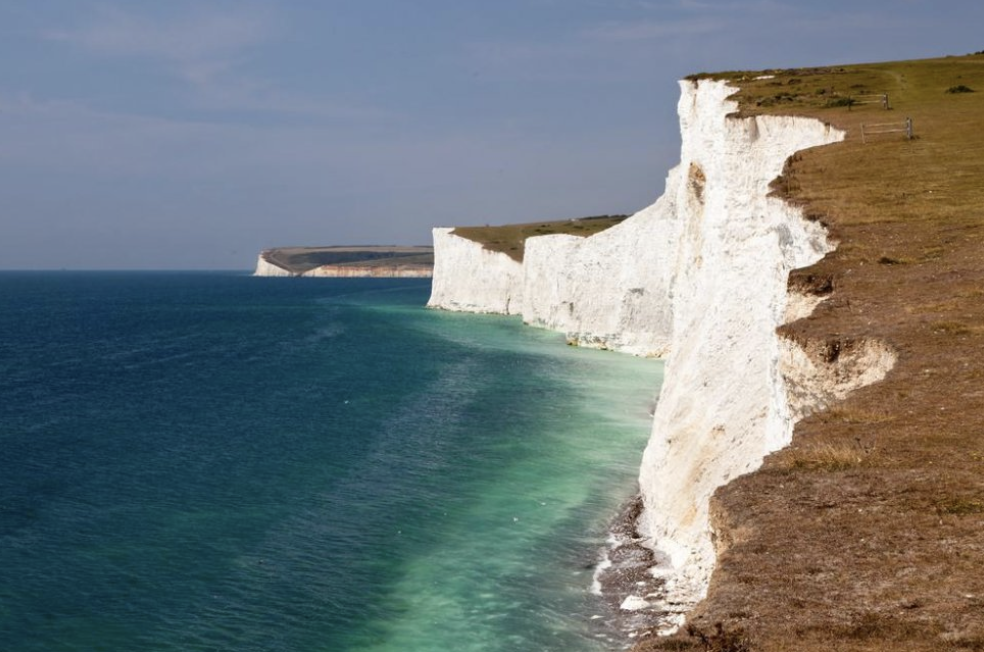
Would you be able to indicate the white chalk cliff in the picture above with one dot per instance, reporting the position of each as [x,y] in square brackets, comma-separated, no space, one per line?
[699,277]
[265,268]
[470,278]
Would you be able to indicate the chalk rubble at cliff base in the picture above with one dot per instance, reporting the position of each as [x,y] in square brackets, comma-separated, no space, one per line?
[699,277]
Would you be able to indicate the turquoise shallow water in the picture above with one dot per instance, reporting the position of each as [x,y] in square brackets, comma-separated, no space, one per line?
[217,462]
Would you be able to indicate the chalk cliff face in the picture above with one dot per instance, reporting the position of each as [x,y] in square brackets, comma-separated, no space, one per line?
[701,278]
[724,404]
[470,278]
[266,268]
[610,290]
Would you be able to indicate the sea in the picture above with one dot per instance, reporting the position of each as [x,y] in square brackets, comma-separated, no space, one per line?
[200,461]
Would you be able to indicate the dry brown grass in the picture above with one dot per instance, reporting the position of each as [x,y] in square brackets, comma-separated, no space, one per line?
[834,548]
[510,239]
[829,456]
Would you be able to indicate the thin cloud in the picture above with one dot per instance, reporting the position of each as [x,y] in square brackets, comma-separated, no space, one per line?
[655,29]
[208,52]
[190,38]
[687,18]
[202,49]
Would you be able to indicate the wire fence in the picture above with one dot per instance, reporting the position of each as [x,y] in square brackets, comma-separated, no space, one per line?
[903,127]
[875,98]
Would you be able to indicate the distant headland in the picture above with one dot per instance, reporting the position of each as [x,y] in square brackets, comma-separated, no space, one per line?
[358,261]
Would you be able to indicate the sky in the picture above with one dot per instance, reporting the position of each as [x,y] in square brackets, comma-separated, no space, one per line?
[153,134]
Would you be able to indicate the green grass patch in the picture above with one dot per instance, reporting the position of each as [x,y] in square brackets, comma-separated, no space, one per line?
[510,239]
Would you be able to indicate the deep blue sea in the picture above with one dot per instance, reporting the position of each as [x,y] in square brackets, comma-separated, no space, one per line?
[211,461]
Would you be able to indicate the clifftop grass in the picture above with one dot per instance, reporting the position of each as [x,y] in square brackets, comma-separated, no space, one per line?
[868,532]
[510,239]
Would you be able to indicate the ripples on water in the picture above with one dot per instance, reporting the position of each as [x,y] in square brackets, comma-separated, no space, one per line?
[217,462]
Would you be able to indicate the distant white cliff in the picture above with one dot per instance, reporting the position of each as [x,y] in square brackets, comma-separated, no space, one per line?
[700,277]
[393,267]
[265,268]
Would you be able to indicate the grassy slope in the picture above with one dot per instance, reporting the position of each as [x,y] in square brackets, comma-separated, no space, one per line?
[510,239]
[868,532]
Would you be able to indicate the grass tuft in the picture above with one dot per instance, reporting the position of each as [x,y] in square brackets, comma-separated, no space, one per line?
[720,639]
[959,506]
[857,416]
[877,626]
[952,328]
[829,457]
[836,102]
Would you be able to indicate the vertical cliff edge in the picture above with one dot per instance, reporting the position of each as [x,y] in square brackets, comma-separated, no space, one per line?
[700,278]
